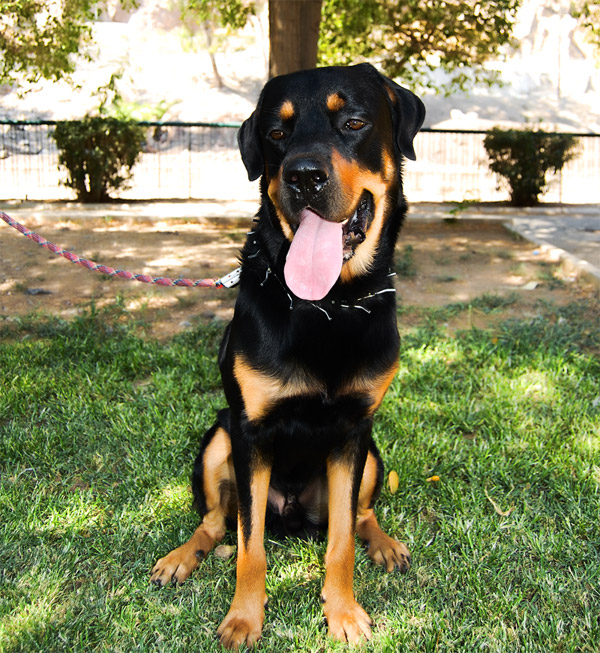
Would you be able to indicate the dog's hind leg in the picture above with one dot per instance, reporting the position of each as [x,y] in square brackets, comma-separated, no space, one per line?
[382,549]
[218,493]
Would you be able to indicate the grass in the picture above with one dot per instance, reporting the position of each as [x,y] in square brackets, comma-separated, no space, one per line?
[405,262]
[99,427]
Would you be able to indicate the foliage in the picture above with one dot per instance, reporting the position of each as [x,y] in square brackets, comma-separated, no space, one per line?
[231,13]
[211,15]
[38,39]
[99,153]
[405,262]
[112,103]
[524,157]
[589,15]
[98,432]
[413,38]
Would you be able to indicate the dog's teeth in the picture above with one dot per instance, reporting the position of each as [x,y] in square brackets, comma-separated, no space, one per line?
[347,220]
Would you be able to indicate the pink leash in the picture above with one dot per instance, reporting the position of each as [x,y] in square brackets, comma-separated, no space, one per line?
[228,281]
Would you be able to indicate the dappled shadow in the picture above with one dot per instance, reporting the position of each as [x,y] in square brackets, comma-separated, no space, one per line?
[438,263]
[174,250]
[462,260]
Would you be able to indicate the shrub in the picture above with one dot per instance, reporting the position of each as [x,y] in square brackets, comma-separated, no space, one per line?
[523,157]
[98,153]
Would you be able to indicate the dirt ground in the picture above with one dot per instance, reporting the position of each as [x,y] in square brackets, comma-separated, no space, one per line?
[438,262]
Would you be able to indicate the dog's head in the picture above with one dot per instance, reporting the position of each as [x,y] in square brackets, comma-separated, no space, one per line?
[329,143]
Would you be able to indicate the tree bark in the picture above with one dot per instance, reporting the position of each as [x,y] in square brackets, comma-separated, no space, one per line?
[211,54]
[293,35]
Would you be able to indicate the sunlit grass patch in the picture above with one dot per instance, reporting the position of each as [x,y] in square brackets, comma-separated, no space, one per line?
[494,435]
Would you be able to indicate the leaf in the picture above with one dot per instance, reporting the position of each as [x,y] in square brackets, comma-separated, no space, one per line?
[224,551]
[393,481]
[502,513]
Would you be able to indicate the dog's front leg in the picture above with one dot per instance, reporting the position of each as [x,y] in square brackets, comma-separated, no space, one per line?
[244,621]
[347,620]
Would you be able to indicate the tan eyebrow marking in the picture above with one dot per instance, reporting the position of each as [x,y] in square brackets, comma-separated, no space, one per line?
[335,102]
[287,110]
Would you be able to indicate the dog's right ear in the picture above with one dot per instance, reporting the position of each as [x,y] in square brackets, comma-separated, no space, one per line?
[249,144]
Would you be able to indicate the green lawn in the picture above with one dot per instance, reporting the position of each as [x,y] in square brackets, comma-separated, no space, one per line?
[99,427]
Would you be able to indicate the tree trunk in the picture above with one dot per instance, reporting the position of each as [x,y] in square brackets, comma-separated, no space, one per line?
[211,54]
[293,35]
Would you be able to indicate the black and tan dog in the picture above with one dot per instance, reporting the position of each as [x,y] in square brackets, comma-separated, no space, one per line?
[313,344]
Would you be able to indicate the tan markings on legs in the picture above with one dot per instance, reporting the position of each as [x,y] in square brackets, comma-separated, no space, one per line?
[244,621]
[179,564]
[261,390]
[382,549]
[347,620]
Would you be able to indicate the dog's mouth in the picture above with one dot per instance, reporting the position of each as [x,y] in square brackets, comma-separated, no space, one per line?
[320,247]
[355,228]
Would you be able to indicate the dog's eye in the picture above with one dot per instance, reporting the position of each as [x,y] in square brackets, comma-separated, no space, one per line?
[355,124]
[277,135]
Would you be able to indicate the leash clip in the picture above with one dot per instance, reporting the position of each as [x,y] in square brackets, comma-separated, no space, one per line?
[231,279]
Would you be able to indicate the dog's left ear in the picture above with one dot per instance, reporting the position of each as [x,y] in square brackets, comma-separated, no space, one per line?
[409,113]
[249,144]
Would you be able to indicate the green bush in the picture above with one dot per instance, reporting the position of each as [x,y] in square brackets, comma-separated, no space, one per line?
[98,153]
[523,157]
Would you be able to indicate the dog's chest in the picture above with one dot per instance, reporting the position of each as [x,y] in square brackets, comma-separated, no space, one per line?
[324,365]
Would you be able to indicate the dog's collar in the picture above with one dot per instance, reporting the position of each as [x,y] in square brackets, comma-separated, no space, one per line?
[323,304]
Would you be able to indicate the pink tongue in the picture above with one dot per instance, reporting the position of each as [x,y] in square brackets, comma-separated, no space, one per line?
[315,259]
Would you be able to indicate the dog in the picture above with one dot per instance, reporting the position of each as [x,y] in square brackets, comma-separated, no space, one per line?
[313,343]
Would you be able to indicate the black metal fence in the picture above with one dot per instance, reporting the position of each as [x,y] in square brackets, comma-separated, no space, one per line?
[201,161]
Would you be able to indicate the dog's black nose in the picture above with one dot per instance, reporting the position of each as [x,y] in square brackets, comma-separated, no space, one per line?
[305,175]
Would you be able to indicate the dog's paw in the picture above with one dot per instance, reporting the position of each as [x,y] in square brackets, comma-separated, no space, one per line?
[389,553]
[348,622]
[240,628]
[176,566]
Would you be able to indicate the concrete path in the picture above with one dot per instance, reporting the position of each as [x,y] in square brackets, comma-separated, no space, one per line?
[571,232]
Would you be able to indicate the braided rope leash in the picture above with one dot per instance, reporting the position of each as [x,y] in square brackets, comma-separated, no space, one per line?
[228,281]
